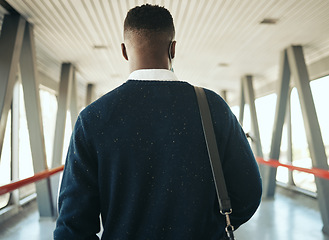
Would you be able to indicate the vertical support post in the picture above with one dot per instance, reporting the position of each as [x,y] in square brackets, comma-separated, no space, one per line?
[11,39]
[312,127]
[34,120]
[289,139]
[242,103]
[250,96]
[74,100]
[90,91]
[269,179]
[64,95]
[14,196]
[223,93]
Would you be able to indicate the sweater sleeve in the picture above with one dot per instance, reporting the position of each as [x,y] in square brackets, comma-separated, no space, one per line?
[242,176]
[240,169]
[78,198]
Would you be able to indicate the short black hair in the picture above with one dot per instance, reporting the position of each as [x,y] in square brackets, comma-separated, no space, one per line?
[151,18]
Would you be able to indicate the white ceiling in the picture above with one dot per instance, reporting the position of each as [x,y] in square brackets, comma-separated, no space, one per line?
[209,34]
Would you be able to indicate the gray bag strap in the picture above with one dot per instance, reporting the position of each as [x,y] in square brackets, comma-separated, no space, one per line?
[215,163]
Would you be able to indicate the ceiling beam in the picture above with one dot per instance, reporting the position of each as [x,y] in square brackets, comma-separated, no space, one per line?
[8,7]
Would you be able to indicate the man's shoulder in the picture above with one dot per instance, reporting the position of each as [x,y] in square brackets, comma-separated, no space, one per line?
[107,101]
[219,108]
[214,98]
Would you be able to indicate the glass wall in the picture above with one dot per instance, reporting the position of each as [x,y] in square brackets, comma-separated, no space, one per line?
[301,154]
[265,108]
[25,156]
[49,111]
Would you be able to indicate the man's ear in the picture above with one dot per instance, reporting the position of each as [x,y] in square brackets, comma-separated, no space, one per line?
[173,49]
[124,51]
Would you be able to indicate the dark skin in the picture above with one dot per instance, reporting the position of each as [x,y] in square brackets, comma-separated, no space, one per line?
[148,51]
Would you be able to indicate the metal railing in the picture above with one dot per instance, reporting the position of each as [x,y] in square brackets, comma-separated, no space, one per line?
[37,177]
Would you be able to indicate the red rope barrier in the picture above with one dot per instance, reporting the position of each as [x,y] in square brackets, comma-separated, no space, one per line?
[321,173]
[37,177]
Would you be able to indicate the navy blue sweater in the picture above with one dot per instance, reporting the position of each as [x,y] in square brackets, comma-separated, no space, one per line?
[138,157]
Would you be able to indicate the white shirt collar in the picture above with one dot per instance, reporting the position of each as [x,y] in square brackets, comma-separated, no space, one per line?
[153,74]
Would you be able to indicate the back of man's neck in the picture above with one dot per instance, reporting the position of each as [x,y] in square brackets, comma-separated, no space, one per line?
[149,64]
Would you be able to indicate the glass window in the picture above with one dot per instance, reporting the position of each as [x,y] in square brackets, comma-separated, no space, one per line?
[246,117]
[49,112]
[67,136]
[235,110]
[301,154]
[265,108]
[49,108]
[25,155]
[300,151]
[321,99]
